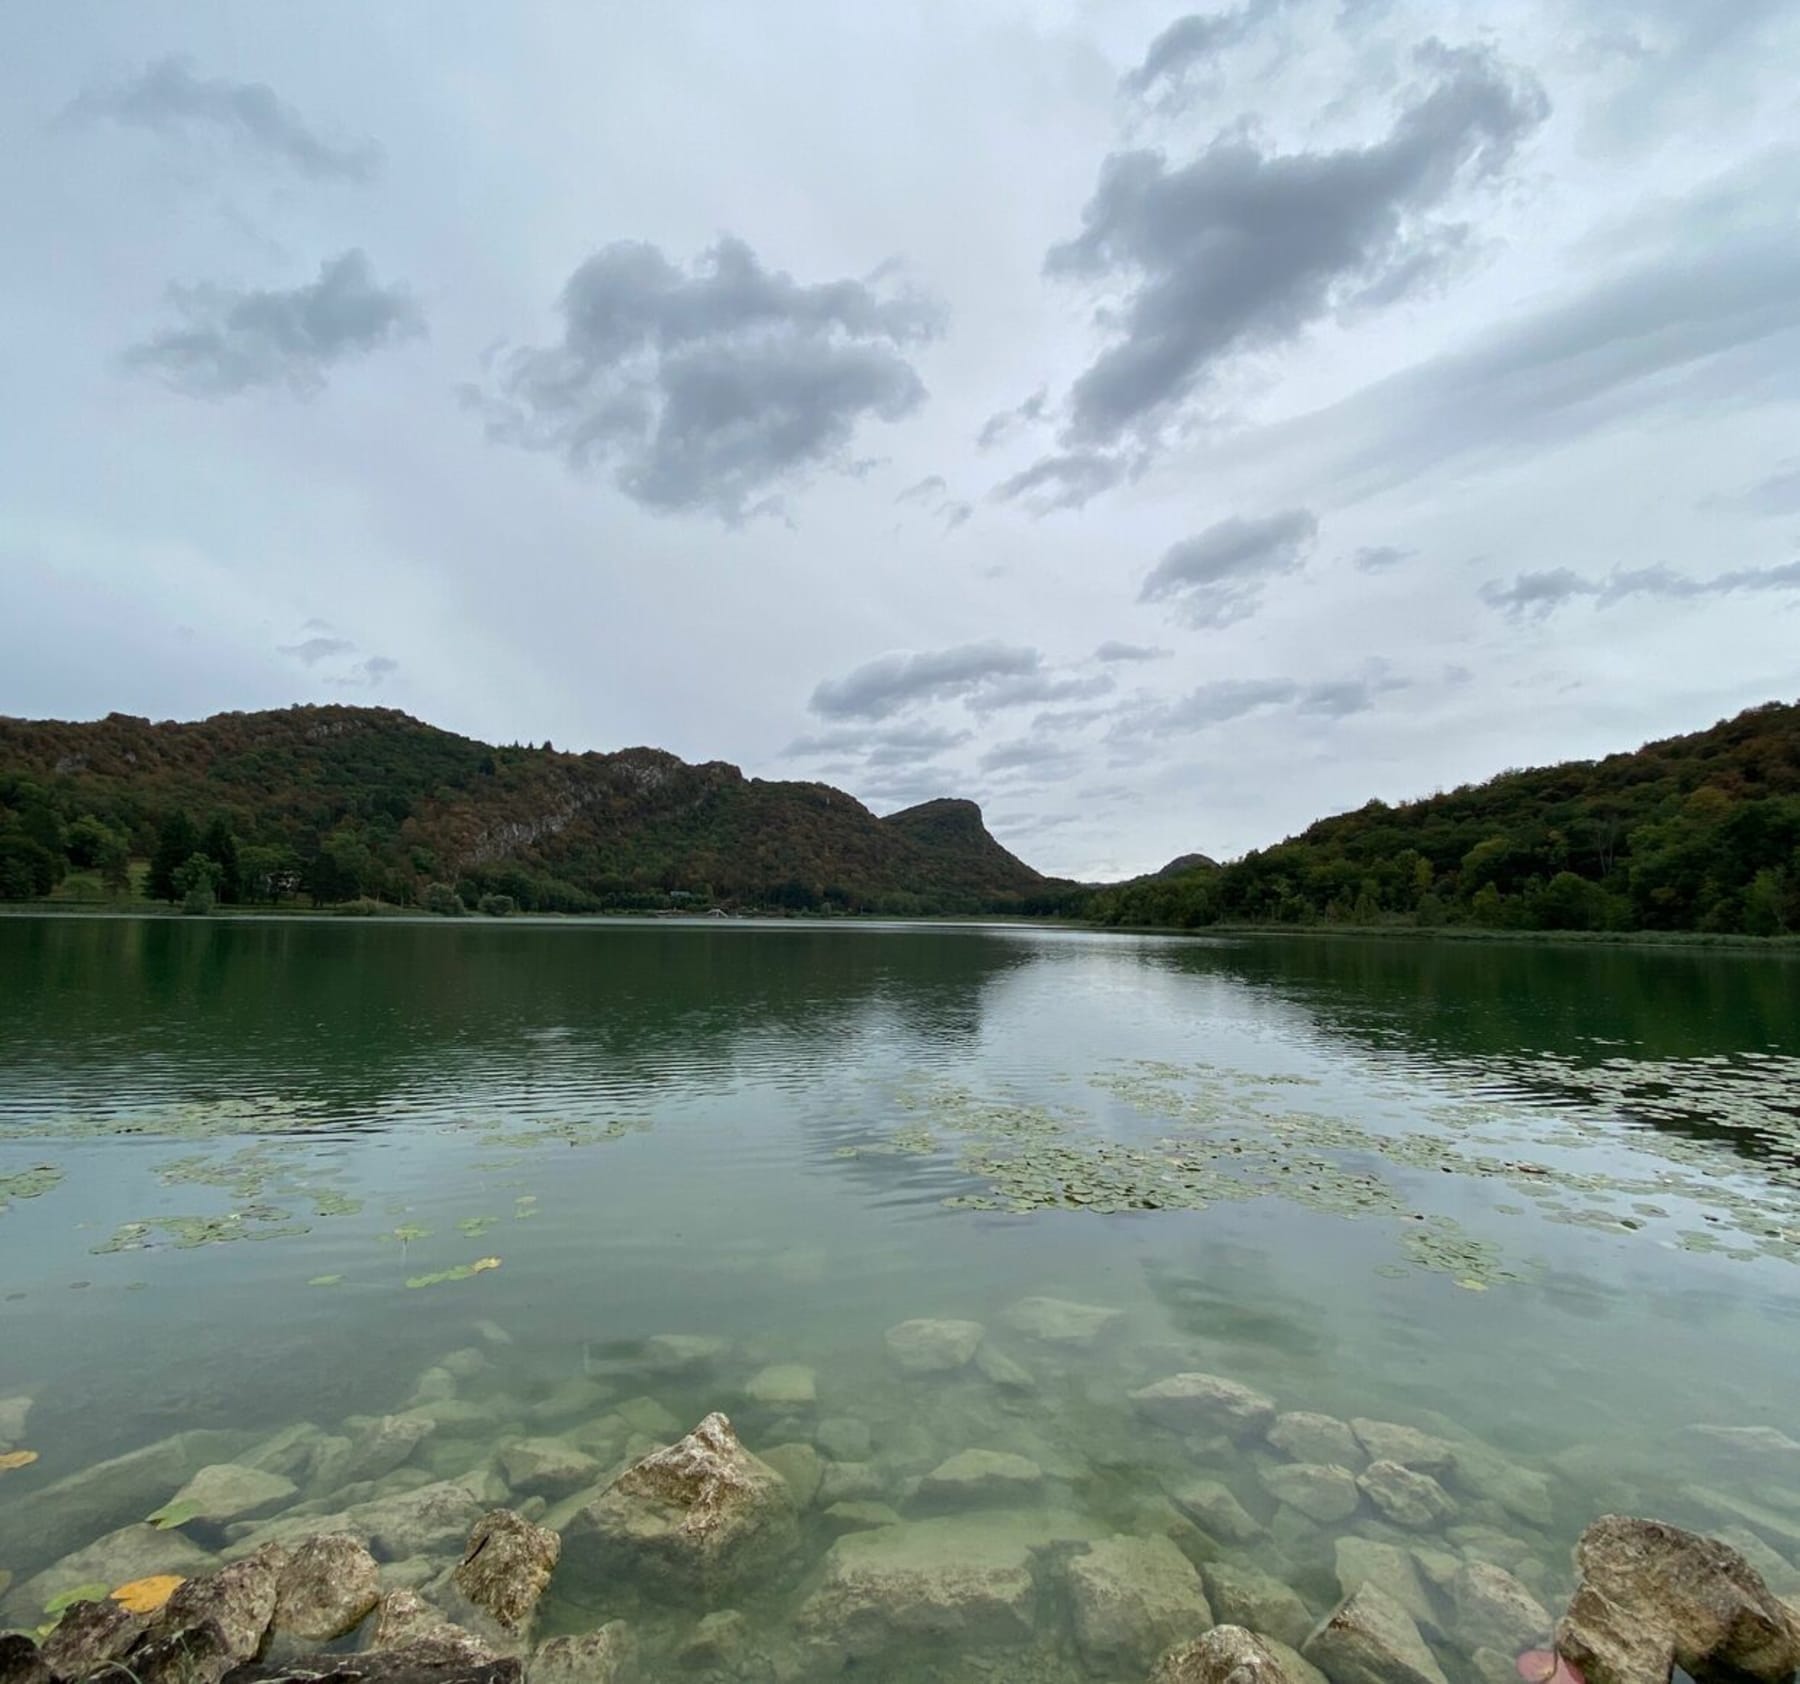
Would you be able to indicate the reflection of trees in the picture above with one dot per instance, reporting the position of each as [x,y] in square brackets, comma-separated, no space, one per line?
[1456,1003]
[350,1016]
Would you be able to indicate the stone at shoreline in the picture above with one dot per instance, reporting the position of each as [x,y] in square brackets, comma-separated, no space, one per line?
[1187,1403]
[844,1438]
[20,1660]
[132,1552]
[1303,1436]
[1228,1654]
[974,1477]
[1778,1572]
[701,1514]
[859,1517]
[1390,1568]
[965,1582]
[227,1491]
[1000,1370]
[645,1415]
[1370,1639]
[289,1452]
[933,1347]
[329,1586]
[1651,1594]
[547,1467]
[1523,1492]
[1213,1507]
[1058,1321]
[432,1520]
[576,1399]
[1132,1598]
[1295,1665]
[1413,1500]
[238,1602]
[683,1353]
[606,1656]
[192,1654]
[91,1635]
[506,1567]
[429,1660]
[1495,1611]
[1390,1441]
[783,1385]
[405,1620]
[850,1482]
[801,1466]
[1247,1596]
[1322,1493]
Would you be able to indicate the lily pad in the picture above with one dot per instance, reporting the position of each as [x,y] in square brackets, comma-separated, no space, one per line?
[461,1272]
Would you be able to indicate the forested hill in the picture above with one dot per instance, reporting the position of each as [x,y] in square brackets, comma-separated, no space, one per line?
[1696,833]
[342,803]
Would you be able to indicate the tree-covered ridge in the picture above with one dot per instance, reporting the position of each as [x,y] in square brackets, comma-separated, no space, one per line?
[341,803]
[1700,832]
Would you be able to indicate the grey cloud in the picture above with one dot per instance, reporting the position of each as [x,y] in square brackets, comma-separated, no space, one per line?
[955,513]
[932,493]
[1226,699]
[1779,494]
[1378,558]
[1339,698]
[1067,719]
[1193,41]
[709,389]
[1065,481]
[1033,759]
[888,741]
[1241,249]
[1538,595]
[997,429]
[313,650]
[1111,651]
[1217,578]
[1000,693]
[367,674]
[921,491]
[884,686]
[169,97]
[232,340]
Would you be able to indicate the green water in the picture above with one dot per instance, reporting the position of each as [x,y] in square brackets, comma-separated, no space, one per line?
[1543,1203]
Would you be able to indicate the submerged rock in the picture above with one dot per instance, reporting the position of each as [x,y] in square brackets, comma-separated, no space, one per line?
[1131,1598]
[1652,1594]
[13,1413]
[237,1602]
[933,1347]
[1213,1507]
[1247,1596]
[606,1656]
[850,1482]
[683,1353]
[226,1491]
[783,1385]
[716,1642]
[407,1622]
[1188,1403]
[1303,1436]
[859,1517]
[506,1567]
[1322,1493]
[430,1520]
[132,1552]
[1058,1321]
[1370,1639]
[1495,1611]
[547,1467]
[1413,1500]
[974,1477]
[702,1513]
[1390,1441]
[800,1465]
[965,1582]
[1390,1568]
[844,1438]
[1227,1654]
[1522,1492]
[371,1448]
[329,1586]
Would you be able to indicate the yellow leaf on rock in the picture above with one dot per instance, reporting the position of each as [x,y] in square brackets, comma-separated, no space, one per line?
[17,1459]
[145,1596]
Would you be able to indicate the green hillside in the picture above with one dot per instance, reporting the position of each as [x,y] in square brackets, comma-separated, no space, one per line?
[334,804]
[1695,833]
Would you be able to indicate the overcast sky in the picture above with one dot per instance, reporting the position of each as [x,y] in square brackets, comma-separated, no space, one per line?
[1164,428]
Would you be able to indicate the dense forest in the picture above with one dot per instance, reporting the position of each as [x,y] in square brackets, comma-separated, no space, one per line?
[1696,833]
[366,807]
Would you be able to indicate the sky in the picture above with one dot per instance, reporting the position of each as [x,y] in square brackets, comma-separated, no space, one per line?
[1163,428]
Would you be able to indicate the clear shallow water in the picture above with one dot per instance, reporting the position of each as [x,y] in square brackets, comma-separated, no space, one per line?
[1545,1199]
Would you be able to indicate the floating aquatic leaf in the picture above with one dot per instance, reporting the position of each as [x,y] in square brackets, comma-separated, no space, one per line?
[30,1183]
[461,1272]
[476,1226]
[326,1280]
[407,1232]
[17,1459]
[146,1596]
[63,1601]
[171,1515]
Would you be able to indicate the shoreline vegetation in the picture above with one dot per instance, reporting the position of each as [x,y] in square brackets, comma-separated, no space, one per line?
[363,811]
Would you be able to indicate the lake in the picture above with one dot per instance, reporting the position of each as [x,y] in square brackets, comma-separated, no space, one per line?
[262,1180]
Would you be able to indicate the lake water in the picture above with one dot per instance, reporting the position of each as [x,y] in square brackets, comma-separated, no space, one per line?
[1541,1203]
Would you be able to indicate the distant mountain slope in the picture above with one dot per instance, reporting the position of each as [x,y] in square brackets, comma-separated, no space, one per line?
[1700,832]
[367,801]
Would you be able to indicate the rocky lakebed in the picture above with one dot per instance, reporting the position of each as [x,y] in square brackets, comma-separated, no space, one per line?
[689,1507]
